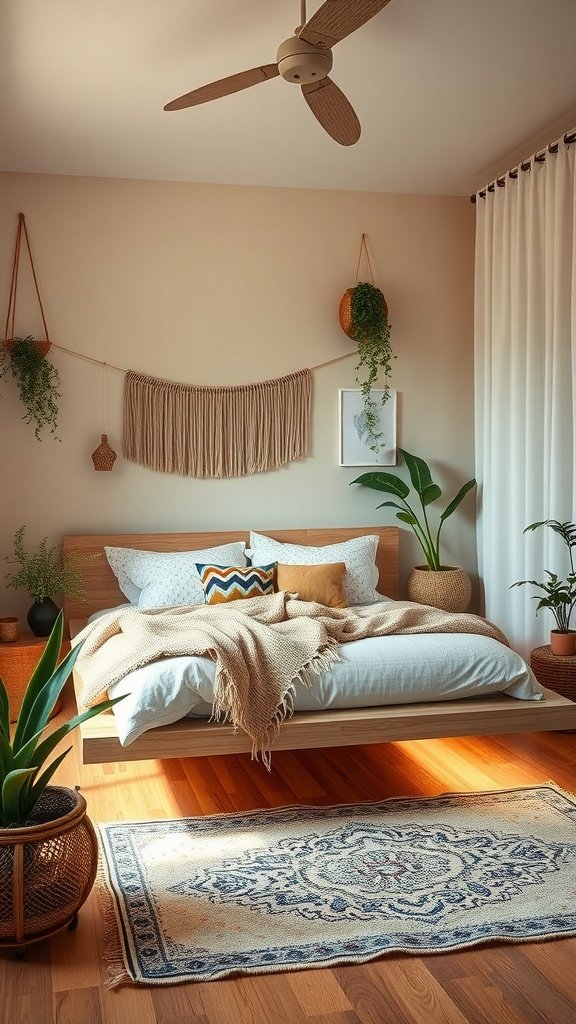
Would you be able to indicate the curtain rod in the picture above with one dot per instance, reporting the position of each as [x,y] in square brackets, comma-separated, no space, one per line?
[526,165]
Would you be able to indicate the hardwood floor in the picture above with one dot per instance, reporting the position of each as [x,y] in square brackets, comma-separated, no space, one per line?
[62,981]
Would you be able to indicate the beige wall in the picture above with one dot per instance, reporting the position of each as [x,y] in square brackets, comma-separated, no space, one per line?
[215,284]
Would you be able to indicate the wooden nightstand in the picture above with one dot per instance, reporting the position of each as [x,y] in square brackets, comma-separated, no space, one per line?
[557,672]
[17,663]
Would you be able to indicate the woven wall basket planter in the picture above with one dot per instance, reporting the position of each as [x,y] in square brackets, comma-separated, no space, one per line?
[448,588]
[345,312]
[47,868]
[43,346]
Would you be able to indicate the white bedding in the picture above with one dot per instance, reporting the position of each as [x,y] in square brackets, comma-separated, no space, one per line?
[371,672]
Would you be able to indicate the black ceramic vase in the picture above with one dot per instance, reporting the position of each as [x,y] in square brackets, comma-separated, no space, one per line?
[42,616]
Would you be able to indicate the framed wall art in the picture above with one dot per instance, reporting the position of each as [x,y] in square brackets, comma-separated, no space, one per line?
[356,443]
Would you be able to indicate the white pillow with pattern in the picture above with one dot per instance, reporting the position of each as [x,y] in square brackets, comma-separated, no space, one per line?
[161,579]
[358,554]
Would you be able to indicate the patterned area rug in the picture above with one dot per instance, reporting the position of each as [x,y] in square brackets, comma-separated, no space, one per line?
[286,889]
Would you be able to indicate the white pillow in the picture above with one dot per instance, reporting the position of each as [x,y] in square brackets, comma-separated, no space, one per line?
[160,579]
[358,554]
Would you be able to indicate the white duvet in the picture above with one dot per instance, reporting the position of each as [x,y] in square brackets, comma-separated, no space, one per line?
[371,672]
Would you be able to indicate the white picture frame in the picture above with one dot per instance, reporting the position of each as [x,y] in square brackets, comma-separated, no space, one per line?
[354,448]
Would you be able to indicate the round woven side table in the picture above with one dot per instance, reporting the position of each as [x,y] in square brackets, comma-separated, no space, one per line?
[555,671]
[17,663]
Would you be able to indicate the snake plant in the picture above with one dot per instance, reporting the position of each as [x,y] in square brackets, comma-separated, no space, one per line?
[23,775]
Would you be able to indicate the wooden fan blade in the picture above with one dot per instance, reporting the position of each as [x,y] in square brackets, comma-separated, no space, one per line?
[331,108]
[337,19]
[224,87]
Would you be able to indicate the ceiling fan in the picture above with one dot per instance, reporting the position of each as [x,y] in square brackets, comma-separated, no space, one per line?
[305,59]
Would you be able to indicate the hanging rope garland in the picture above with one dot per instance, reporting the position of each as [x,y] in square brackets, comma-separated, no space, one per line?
[192,430]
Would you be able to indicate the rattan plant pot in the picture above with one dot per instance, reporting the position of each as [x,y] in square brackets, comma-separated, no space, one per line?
[46,869]
[345,313]
[448,588]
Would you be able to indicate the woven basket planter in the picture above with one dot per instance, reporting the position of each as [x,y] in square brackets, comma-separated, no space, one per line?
[46,870]
[345,313]
[448,588]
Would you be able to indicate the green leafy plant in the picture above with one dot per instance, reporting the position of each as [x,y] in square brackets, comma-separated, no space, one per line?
[23,777]
[556,594]
[38,382]
[43,571]
[426,491]
[371,329]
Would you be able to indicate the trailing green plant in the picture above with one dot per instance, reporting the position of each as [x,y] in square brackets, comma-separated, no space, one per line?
[44,571]
[426,491]
[556,594]
[23,777]
[38,382]
[371,329]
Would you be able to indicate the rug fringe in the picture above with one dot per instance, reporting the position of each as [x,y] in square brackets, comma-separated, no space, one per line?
[116,973]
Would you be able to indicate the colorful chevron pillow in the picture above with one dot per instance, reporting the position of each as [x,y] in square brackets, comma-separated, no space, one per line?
[223,583]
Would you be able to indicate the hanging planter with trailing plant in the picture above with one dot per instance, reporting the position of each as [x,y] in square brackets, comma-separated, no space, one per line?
[25,358]
[364,318]
[37,380]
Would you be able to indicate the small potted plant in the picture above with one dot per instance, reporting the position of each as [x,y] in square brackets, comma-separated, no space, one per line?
[442,586]
[48,849]
[555,593]
[364,318]
[37,379]
[43,572]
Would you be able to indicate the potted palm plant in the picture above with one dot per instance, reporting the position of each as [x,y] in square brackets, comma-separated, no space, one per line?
[364,318]
[48,849]
[43,572]
[556,594]
[436,584]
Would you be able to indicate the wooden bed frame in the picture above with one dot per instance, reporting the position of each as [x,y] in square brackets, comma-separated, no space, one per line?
[194,738]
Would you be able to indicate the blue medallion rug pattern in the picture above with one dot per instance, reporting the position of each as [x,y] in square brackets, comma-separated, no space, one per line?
[195,899]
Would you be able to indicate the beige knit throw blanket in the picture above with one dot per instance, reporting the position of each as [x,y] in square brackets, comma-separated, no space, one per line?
[262,646]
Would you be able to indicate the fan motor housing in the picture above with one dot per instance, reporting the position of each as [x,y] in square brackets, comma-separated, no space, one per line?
[302,63]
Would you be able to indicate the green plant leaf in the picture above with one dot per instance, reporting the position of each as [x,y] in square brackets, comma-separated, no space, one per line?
[4,712]
[383,482]
[419,471]
[430,494]
[407,517]
[33,754]
[39,678]
[11,792]
[6,759]
[46,699]
[35,791]
[456,501]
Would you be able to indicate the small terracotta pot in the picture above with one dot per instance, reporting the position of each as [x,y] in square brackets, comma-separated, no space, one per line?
[43,345]
[8,629]
[563,644]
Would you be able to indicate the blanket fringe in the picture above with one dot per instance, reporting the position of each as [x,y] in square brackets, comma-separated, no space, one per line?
[116,973]
[320,662]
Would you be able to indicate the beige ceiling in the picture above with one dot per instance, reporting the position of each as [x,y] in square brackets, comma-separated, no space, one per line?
[444,90]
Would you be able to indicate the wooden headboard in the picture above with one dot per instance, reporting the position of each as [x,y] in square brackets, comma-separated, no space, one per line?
[102,588]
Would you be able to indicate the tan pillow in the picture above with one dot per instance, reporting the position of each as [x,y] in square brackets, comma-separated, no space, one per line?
[321,583]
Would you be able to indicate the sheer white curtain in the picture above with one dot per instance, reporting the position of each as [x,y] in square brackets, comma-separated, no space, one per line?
[525,364]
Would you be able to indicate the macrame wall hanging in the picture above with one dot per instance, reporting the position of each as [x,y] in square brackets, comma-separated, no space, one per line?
[216,431]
